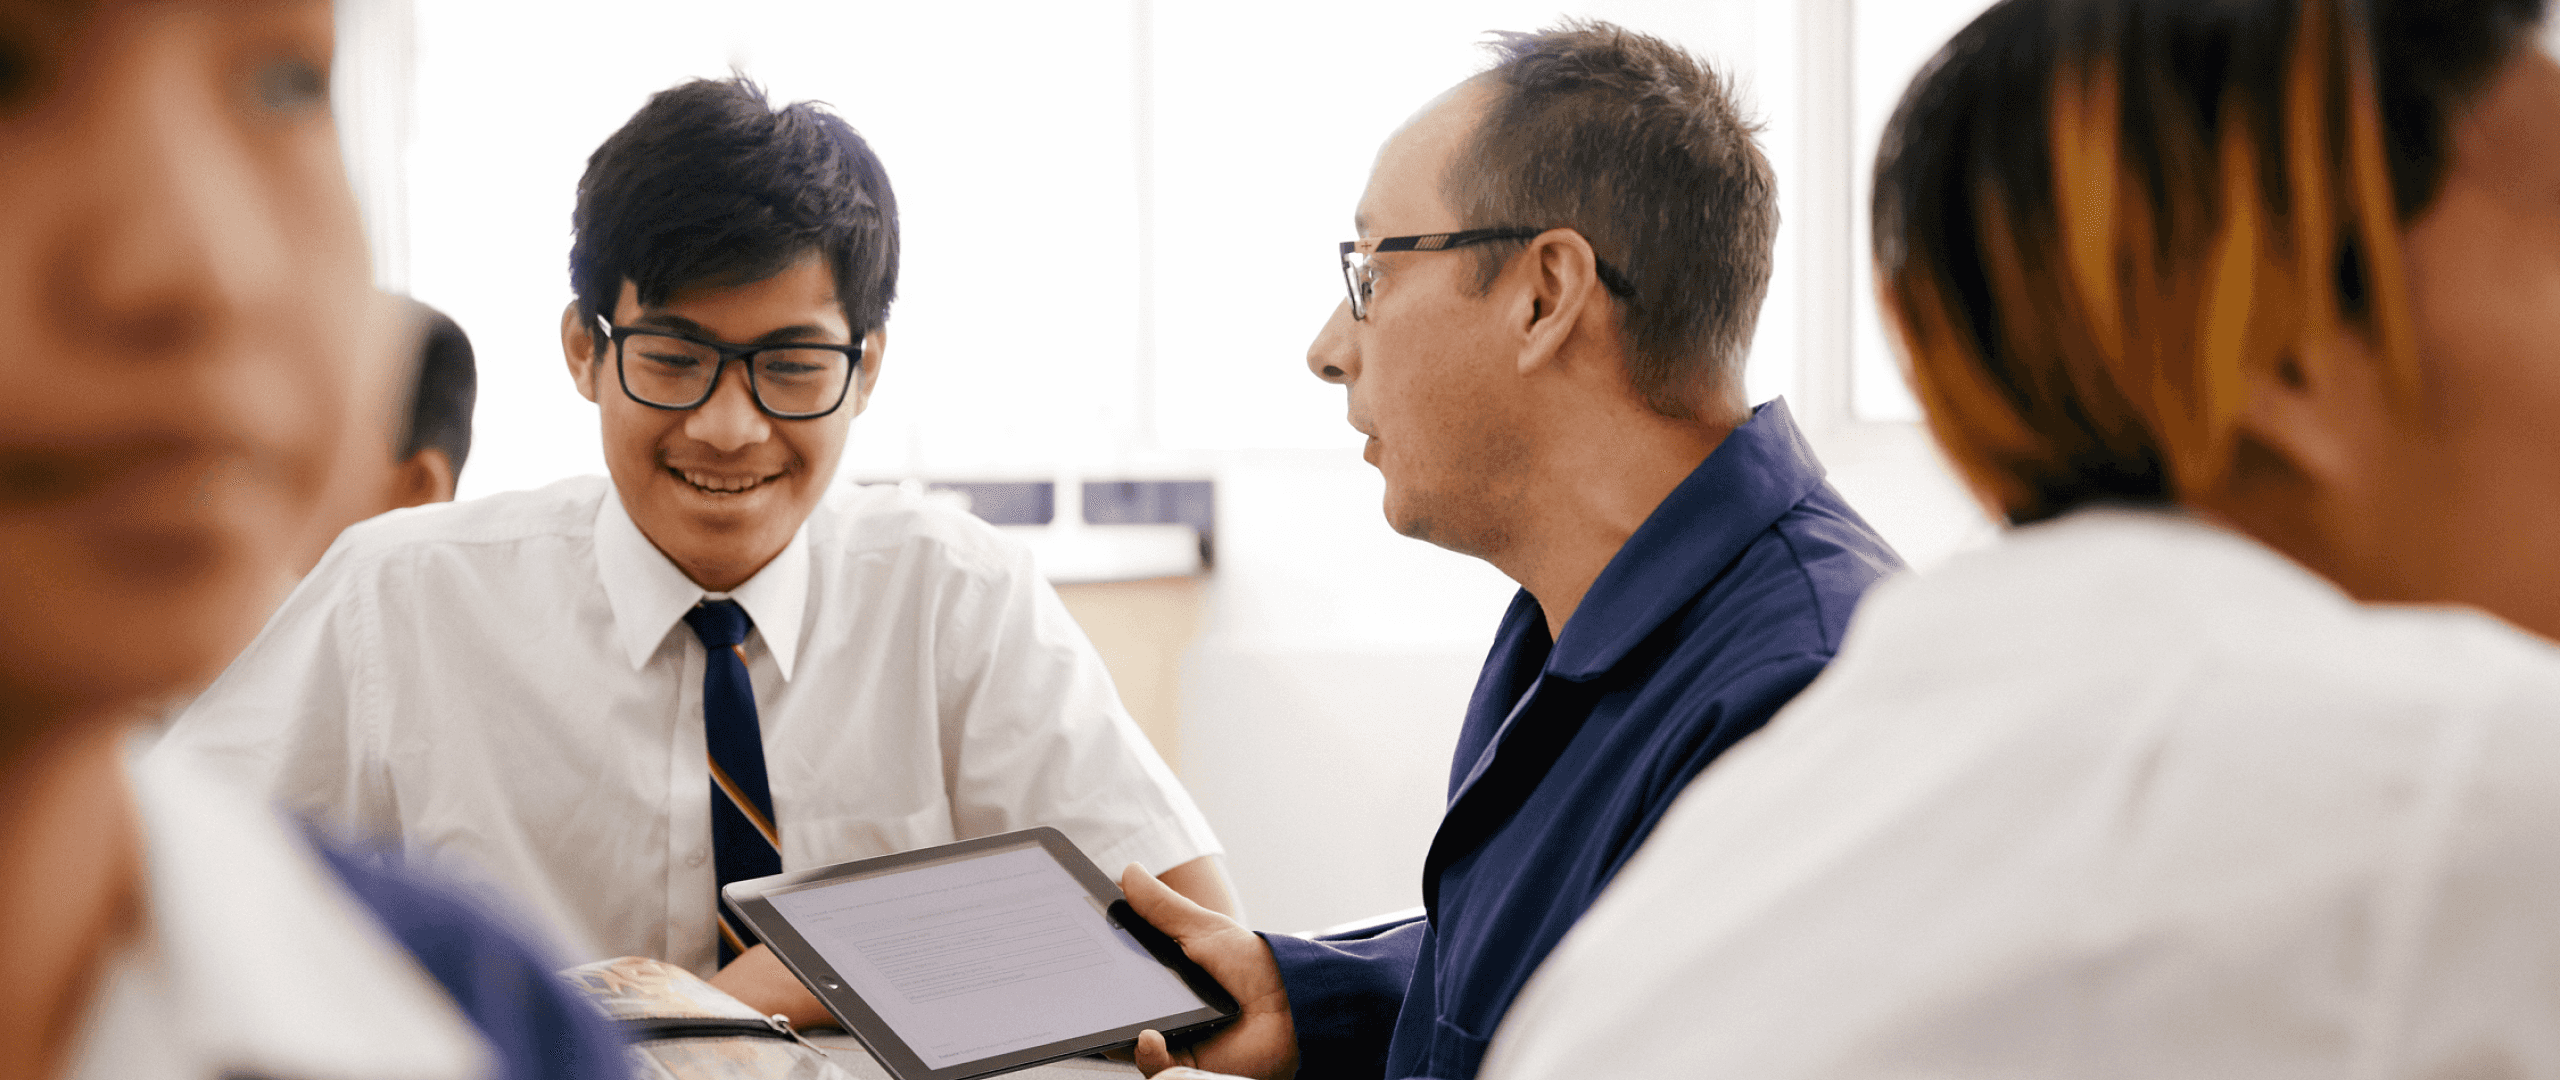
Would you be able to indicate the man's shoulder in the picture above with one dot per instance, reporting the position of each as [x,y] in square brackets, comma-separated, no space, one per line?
[1829,540]
[1797,583]
[896,527]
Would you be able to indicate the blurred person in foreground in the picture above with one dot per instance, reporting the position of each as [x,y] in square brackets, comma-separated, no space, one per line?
[196,362]
[613,695]
[2237,758]
[422,467]
[1560,264]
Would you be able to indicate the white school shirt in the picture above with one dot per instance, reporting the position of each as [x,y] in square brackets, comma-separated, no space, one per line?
[2126,796]
[507,687]
[255,961]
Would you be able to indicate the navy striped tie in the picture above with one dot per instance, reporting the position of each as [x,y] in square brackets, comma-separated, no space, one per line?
[745,843]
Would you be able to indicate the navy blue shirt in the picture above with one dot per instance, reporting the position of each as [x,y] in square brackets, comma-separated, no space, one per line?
[1726,602]
[539,1028]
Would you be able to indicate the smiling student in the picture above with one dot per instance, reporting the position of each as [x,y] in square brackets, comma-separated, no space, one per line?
[609,697]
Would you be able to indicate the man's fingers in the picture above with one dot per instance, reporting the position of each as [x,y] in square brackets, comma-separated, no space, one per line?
[1166,909]
[1152,1058]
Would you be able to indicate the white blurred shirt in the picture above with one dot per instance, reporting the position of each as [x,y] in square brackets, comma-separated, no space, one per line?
[256,961]
[506,686]
[2126,796]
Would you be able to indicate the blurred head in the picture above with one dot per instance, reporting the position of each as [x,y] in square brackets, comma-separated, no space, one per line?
[438,437]
[1631,164]
[2293,264]
[423,461]
[712,214]
[195,347]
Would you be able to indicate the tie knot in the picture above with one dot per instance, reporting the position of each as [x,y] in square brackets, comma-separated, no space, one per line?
[720,624]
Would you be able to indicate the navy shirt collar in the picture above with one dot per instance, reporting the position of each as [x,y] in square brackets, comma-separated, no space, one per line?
[1752,478]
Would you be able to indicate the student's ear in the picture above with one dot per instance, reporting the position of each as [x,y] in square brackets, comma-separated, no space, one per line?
[875,349]
[2317,414]
[427,477]
[578,346]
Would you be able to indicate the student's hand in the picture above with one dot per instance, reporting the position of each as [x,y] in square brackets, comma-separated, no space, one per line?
[758,978]
[1262,1042]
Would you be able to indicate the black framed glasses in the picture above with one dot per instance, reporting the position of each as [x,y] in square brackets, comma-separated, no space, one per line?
[1359,277]
[792,380]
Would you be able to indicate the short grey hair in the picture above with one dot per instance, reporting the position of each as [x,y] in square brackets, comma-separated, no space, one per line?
[1640,147]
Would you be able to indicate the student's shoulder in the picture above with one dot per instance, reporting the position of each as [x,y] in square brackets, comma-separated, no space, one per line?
[2444,658]
[2248,643]
[565,509]
[898,528]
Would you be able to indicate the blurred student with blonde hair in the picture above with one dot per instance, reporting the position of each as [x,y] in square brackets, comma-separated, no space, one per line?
[2238,757]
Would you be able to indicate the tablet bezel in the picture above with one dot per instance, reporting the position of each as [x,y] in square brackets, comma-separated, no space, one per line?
[747,899]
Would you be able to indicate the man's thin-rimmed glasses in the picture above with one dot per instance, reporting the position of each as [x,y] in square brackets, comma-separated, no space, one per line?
[793,380]
[1359,278]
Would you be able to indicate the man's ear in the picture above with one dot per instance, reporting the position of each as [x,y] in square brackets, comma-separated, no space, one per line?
[578,346]
[1563,291]
[875,349]
[427,477]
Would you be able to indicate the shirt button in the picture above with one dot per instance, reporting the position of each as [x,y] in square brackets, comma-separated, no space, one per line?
[696,858]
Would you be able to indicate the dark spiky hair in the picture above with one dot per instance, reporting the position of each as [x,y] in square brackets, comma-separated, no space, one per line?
[708,184]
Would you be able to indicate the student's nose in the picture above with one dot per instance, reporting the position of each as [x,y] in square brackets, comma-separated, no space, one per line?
[1333,356]
[730,420]
[178,239]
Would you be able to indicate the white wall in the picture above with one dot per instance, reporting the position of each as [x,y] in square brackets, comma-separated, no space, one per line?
[1013,343]
[1119,215]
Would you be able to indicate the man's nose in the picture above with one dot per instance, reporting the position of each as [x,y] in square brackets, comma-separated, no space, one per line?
[730,420]
[1332,356]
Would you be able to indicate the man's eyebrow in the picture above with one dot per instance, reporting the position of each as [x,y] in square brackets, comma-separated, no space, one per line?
[1360,225]
[795,332]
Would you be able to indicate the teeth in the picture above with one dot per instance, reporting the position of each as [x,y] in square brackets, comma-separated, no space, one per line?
[726,484]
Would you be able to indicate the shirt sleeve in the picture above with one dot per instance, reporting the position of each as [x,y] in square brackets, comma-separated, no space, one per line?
[1345,997]
[292,718]
[1034,732]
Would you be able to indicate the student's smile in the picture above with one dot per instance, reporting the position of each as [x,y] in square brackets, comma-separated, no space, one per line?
[720,483]
[722,487]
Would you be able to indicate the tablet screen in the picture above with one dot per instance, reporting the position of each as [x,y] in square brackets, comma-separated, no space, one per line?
[982,954]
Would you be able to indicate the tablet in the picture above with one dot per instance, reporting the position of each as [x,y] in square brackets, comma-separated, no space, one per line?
[980,957]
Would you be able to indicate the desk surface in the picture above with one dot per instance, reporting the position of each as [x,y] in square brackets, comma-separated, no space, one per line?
[848,1054]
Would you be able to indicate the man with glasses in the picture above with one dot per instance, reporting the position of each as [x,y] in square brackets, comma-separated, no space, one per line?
[611,697]
[1560,266]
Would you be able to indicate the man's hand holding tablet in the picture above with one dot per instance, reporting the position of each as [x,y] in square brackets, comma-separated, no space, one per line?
[981,957]
[1263,1041]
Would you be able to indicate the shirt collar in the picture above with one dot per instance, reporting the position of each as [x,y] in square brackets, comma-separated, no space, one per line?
[1760,471]
[237,901]
[649,595]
